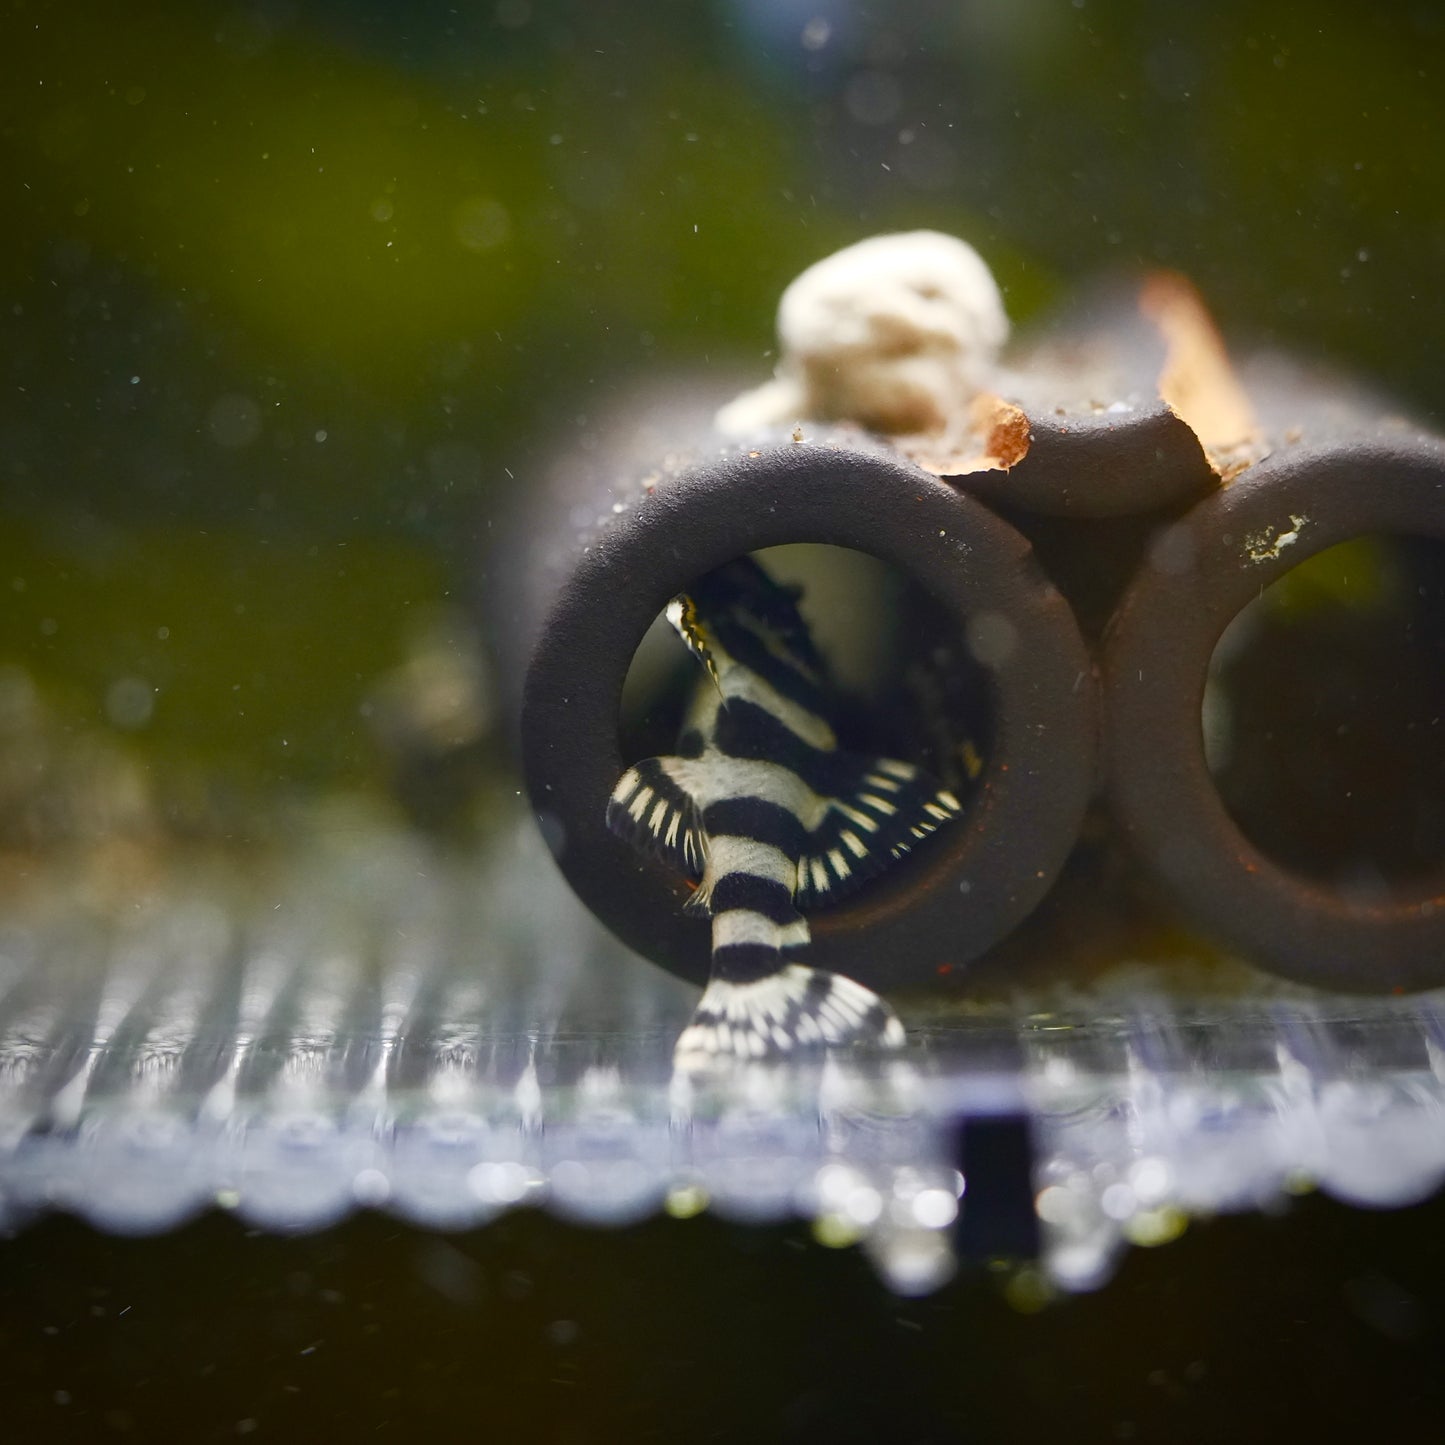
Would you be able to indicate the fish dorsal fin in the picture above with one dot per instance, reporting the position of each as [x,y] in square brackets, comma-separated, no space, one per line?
[654,810]
[877,810]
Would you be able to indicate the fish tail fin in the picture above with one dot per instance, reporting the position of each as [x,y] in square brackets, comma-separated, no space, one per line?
[795,1010]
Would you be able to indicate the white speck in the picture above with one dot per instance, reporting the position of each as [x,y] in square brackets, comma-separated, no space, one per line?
[321,435]
[816,33]
[935,1208]
[1056,1205]
[481,223]
[1060,1072]
[370,1186]
[502,1183]
[1150,1178]
[129,702]
[1119,1201]
[233,420]
[1266,544]
[992,638]
[863,1205]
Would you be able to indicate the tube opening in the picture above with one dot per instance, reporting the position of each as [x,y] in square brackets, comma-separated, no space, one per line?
[1324,716]
[906,684]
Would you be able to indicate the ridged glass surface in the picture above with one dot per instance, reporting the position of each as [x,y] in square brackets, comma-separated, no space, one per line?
[385,1026]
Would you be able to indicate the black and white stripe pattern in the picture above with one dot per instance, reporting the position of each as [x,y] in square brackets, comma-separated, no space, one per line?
[771,817]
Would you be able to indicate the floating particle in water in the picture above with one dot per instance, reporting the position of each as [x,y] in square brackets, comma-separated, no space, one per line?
[233,420]
[130,702]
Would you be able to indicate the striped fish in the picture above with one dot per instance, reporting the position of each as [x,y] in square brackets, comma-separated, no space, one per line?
[771,818]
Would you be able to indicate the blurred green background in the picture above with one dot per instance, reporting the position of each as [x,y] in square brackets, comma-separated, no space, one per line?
[293,293]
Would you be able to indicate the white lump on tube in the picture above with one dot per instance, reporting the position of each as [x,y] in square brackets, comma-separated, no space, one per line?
[897,334]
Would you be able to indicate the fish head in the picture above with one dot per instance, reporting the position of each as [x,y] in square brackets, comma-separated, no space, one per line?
[738,615]
[682,613]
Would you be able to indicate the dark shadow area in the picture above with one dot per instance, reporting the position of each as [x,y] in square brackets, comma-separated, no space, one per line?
[1325,719]
[1324,1324]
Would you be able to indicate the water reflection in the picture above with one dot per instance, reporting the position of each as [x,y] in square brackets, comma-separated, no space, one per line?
[448,1037]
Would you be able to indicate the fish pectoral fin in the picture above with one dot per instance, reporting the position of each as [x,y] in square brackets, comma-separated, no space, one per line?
[877,810]
[655,812]
[795,1010]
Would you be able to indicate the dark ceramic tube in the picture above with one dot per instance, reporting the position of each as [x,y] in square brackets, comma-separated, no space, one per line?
[1201,572]
[1086,465]
[1083,423]
[609,546]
